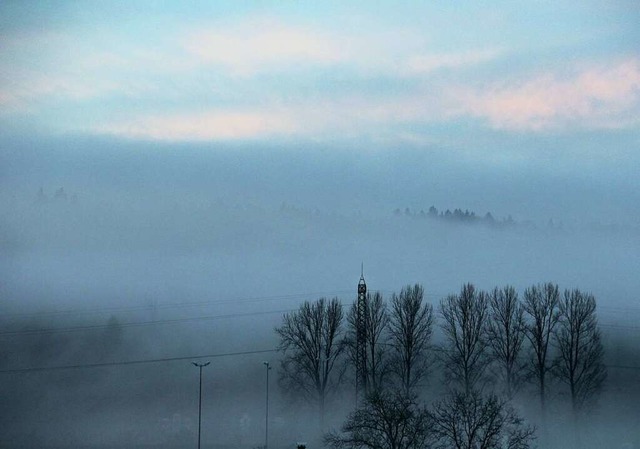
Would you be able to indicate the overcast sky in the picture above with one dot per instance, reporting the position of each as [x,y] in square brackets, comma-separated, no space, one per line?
[547,88]
[336,70]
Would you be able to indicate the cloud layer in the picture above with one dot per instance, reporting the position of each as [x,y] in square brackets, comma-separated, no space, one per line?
[596,97]
[268,76]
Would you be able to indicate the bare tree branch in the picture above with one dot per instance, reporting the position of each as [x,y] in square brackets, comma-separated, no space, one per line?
[580,353]
[410,329]
[505,333]
[312,342]
[465,328]
[541,307]
[388,420]
[470,421]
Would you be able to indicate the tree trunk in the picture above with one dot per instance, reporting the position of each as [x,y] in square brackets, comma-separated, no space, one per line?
[321,411]
[577,441]
[544,435]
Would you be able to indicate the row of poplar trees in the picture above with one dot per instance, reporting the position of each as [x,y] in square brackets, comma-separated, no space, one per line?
[492,341]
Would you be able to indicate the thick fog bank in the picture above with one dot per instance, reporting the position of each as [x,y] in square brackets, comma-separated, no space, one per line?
[98,253]
[112,255]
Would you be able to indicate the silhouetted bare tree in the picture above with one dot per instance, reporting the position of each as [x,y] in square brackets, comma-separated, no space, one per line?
[312,342]
[410,330]
[387,421]
[505,333]
[377,320]
[465,355]
[469,421]
[541,306]
[580,353]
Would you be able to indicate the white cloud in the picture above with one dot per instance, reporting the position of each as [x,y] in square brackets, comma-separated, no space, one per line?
[216,64]
[592,98]
[212,125]
[44,69]
[606,96]
[426,63]
[344,117]
[175,69]
[262,44]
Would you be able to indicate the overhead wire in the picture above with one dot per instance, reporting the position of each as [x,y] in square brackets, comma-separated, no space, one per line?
[135,362]
[141,323]
[208,318]
[197,357]
[102,310]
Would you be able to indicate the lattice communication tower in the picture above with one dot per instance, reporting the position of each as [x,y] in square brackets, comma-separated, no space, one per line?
[361,338]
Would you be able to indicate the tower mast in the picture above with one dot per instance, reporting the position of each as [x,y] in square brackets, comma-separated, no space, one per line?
[361,337]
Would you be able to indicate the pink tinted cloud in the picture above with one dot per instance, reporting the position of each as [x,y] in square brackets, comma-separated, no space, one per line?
[597,97]
[348,117]
[209,126]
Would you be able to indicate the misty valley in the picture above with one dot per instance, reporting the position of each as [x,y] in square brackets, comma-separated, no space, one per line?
[108,303]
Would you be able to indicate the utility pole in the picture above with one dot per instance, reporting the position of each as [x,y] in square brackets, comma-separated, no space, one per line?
[266,419]
[200,366]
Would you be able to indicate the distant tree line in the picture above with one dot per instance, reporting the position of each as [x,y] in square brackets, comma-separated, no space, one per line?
[493,343]
[60,195]
[458,216]
[451,216]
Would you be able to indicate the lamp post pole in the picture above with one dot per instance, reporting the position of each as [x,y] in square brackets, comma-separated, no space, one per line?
[266,419]
[200,366]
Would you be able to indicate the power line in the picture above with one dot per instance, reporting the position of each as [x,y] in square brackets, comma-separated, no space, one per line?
[631,367]
[166,321]
[200,318]
[141,323]
[175,305]
[150,307]
[196,357]
[135,362]
[102,310]
[619,326]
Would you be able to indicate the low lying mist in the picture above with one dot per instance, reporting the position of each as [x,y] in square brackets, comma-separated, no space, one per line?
[131,254]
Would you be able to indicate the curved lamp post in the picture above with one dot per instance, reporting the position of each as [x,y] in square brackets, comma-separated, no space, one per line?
[200,365]
[266,419]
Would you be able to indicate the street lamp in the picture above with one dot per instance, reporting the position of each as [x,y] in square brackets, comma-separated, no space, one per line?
[266,419]
[200,365]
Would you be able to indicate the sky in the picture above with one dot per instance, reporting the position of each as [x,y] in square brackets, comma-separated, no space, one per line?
[540,90]
[387,73]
